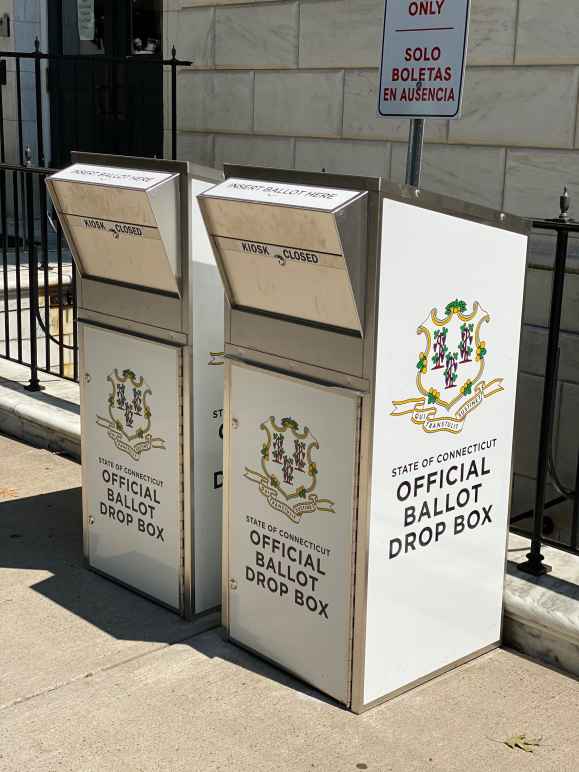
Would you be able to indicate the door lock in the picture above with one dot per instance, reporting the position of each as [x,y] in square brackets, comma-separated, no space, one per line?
[87,377]
[234,423]
[232,584]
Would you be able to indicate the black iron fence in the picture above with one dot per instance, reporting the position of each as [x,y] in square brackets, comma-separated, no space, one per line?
[562,226]
[97,104]
[38,278]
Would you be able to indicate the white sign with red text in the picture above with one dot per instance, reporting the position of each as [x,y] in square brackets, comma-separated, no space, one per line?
[423,58]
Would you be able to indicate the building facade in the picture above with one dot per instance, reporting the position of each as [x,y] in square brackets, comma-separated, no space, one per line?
[293,84]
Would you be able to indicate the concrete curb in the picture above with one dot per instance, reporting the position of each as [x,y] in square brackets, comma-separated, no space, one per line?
[542,613]
[47,419]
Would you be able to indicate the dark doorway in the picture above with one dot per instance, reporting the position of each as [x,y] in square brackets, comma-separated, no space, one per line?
[107,98]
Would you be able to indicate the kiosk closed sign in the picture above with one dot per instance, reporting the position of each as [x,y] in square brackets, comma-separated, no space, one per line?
[423,58]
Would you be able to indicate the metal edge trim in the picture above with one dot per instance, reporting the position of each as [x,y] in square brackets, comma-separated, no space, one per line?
[359,619]
[226,496]
[511,476]
[323,385]
[83,444]
[297,177]
[129,333]
[454,207]
[404,193]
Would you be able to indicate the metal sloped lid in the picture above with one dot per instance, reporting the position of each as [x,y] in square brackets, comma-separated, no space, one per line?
[290,250]
[122,225]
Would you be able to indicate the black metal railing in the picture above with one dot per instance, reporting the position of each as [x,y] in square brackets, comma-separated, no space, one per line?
[112,98]
[562,226]
[38,276]
[38,279]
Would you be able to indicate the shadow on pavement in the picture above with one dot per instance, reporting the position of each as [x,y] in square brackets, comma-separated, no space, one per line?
[44,533]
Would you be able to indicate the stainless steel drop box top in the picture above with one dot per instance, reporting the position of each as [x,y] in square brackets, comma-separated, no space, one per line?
[122,224]
[291,250]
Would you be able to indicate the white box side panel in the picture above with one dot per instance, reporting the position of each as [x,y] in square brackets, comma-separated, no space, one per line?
[131,468]
[208,332]
[451,296]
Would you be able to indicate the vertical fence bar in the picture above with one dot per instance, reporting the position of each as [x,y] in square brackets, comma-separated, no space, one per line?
[60,300]
[44,266]
[38,93]
[174,103]
[16,191]
[4,221]
[19,113]
[2,137]
[34,384]
[74,324]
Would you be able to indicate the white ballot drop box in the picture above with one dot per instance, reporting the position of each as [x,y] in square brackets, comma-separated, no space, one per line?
[371,345]
[150,315]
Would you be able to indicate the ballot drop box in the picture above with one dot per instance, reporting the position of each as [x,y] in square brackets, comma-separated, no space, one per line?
[371,346]
[150,316]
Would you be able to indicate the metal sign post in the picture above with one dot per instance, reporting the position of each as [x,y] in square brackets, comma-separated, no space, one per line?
[422,66]
[414,155]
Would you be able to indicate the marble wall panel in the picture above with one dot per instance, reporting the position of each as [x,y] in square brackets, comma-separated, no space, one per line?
[534,353]
[258,151]
[491,37]
[215,101]
[298,103]
[341,33]
[547,32]
[260,36]
[527,421]
[567,445]
[191,32]
[470,173]
[538,297]
[535,178]
[370,159]
[524,106]
[361,120]
[197,148]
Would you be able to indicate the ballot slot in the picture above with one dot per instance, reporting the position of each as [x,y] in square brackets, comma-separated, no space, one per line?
[122,224]
[289,250]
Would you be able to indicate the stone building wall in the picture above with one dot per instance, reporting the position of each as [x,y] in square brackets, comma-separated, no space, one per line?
[294,84]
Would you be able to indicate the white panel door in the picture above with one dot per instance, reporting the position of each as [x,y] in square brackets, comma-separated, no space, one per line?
[132,460]
[293,453]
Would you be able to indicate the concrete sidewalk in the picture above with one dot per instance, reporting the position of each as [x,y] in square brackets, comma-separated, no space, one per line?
[92,677]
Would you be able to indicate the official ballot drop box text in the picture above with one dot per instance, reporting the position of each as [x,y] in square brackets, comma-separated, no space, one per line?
[371,345]
[150,312]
